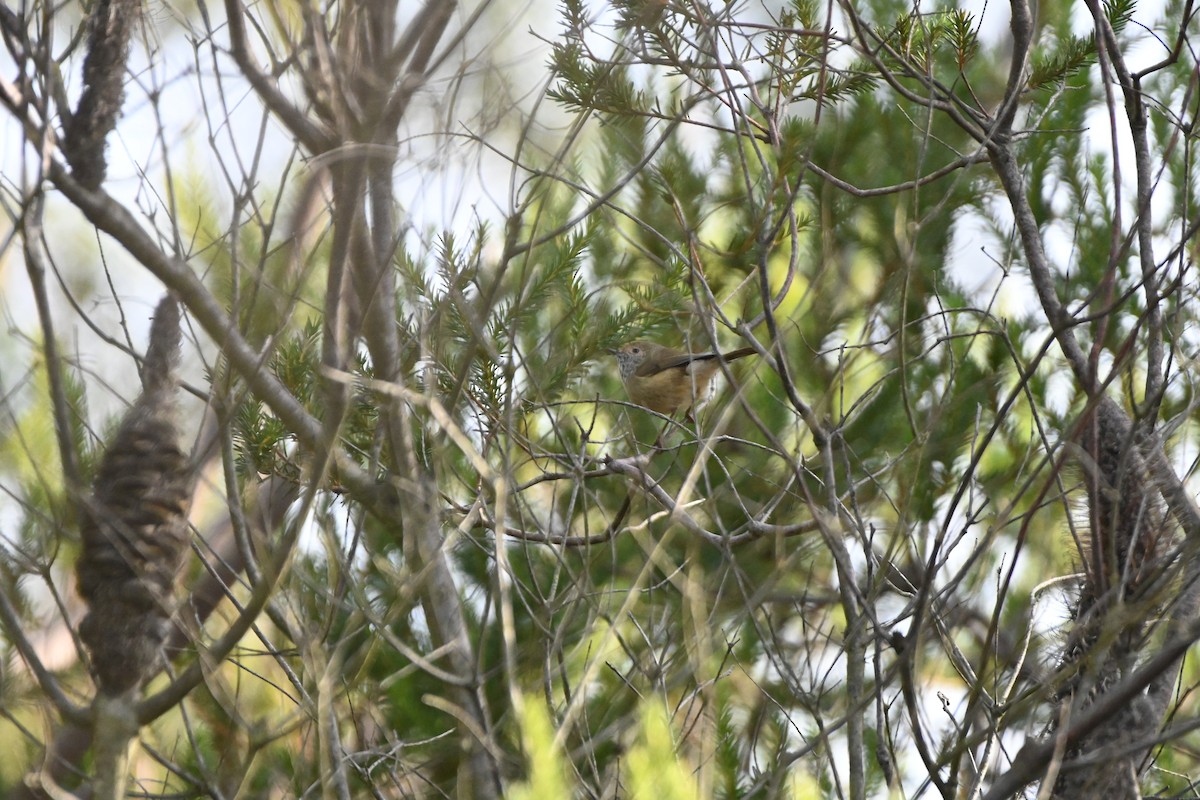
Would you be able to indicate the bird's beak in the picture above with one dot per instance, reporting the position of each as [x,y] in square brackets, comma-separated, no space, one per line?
[611,351]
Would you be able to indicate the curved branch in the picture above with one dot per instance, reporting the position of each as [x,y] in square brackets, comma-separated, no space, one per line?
[315,138]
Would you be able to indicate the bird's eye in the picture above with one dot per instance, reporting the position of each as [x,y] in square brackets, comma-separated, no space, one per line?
[636,350]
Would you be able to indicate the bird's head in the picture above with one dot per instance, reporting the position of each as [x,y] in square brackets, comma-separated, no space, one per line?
[630,357]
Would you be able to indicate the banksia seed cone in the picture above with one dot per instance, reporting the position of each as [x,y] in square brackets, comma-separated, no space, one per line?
[1127,539]
[1127,523]
[135,525]
[111,25]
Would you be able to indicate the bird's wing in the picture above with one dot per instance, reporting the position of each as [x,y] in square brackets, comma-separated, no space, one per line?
[646,368]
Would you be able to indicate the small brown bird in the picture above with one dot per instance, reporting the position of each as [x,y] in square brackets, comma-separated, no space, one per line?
[667,380]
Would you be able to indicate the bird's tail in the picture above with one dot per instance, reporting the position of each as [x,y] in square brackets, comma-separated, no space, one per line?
[741,352]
